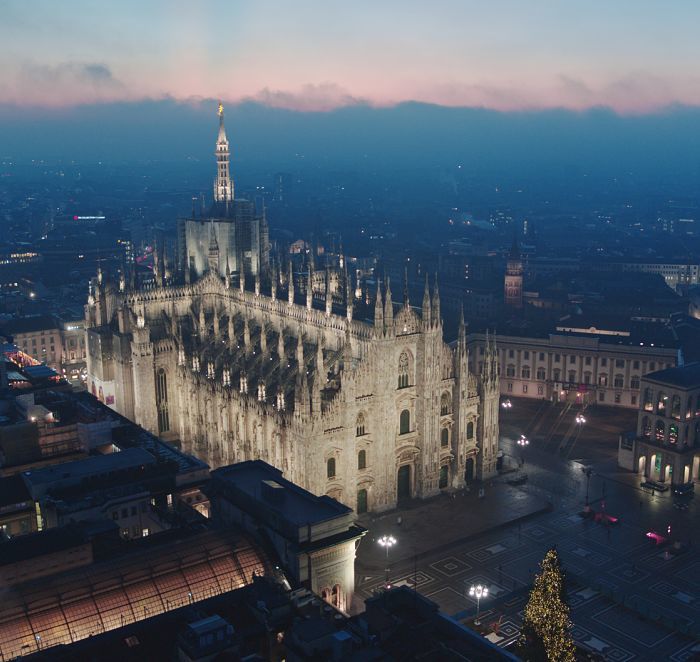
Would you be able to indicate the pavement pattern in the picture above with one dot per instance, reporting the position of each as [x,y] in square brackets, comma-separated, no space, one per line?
[630,599]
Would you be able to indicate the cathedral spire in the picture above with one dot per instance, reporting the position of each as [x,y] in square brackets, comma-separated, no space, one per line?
[378,310]
[388,308]
[301,367]
[290,285]
[349,296]
[426,303]
[223,185]
[436,304]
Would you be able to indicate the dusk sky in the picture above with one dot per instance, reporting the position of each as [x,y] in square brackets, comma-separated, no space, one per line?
[632,56]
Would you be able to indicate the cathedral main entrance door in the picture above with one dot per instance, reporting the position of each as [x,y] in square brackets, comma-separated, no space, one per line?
[403,483]
[469,472]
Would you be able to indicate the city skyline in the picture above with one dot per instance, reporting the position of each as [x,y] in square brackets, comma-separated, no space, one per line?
[503,57]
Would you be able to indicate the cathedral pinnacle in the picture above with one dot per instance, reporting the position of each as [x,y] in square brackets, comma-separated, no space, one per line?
[426,302]
[378,310]
[223,185]
[436,304]
[388,308]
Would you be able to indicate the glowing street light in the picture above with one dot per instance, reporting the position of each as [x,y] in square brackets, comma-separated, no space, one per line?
[478,591]
[387,542]
[523,442]
[506,404]
[580,419]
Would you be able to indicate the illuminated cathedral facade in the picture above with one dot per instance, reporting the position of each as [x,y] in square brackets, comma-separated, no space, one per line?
[246,363]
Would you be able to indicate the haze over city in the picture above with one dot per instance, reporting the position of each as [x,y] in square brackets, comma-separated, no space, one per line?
[349,331]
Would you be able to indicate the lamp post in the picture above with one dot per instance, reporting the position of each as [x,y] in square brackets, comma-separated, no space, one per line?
[588,471]
[387,542]
[478,591]
[580,419]
[523,442]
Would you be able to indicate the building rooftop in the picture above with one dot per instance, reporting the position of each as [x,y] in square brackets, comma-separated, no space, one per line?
[686,376]
[94,465]
[260,481]
[49,541]
[114,593]
[13,491]
[31,324]
[606,332]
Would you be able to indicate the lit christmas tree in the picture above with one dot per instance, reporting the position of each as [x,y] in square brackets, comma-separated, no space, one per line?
[545,633]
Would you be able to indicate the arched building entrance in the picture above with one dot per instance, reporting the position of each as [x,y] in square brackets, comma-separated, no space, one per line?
[469,470]
[403,483]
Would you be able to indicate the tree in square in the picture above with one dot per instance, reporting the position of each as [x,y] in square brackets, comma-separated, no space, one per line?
[545,635]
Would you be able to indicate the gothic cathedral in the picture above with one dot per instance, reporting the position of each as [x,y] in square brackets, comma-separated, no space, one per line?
[370,412]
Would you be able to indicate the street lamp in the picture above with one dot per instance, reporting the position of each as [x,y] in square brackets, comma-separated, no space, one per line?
[580,419]
[478,592]
[588,471]
[506,404]
[387,542]
[523,442]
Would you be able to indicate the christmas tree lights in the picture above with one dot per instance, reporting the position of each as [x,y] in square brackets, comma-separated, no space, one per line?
[546,625]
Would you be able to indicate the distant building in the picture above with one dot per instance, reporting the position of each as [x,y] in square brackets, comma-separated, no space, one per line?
[676,274]
[513,286]
[597,366]
[315,537]
[666,446]
[38,336]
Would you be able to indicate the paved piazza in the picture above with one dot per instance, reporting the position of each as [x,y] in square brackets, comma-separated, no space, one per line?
[630,600]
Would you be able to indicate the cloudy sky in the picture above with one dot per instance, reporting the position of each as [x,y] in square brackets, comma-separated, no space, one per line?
[632,56]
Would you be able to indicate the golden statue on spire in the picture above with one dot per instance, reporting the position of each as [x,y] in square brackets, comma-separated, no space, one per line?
[221,109]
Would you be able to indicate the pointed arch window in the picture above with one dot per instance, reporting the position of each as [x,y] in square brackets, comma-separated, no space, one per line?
[362,459]
[405,422]
[330,468]
[470,430]
[444,438]
[404,370]
[360,428]
[445,404]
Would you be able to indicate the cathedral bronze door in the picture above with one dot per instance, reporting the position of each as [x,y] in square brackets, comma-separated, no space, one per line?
[469,471]
[444,476]
[361,501]
[403,483]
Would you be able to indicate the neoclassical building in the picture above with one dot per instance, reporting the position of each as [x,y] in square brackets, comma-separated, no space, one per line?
[666,446]
[370,412]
